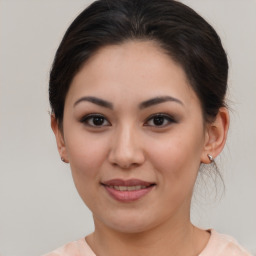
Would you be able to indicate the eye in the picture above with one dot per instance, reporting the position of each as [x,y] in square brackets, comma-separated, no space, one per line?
[159,120]
[95,120]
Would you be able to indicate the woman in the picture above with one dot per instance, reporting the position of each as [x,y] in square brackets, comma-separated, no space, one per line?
[137,91]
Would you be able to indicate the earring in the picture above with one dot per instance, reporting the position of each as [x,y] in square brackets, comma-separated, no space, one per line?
[210,158]
[63,160]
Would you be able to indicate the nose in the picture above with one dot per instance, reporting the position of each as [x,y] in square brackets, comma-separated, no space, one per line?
[126,149]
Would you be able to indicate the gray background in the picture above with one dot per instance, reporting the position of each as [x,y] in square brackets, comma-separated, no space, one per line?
[39,207]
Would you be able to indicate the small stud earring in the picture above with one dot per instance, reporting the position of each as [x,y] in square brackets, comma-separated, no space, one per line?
[210,157]
[63,160]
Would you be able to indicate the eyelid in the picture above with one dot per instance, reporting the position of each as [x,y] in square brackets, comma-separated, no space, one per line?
[85,118]
[169,117]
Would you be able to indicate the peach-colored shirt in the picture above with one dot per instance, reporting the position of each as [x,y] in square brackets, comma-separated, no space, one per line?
[218,245]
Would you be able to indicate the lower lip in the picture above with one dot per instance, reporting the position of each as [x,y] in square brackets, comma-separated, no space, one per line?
[128,196]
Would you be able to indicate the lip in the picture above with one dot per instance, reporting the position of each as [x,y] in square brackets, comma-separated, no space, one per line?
[131,182]
[137,189]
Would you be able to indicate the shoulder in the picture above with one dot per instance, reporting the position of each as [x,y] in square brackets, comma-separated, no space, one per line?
[76,248]
[223,245]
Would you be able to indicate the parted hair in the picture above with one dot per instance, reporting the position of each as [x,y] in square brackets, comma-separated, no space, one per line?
[183,35]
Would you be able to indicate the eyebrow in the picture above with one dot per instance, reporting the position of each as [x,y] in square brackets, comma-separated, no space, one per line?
[144,104]
[158,100]
[95,100]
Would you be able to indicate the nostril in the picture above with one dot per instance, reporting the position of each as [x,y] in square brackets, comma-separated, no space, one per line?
[126,166]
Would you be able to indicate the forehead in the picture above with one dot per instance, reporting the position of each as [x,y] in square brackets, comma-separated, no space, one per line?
[140,68]
[142,57]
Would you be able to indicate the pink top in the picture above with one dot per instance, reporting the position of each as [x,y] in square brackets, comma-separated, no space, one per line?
[218,245]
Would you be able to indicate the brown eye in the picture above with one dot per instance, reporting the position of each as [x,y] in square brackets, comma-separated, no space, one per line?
[98,120]
[160,120]
[95,120]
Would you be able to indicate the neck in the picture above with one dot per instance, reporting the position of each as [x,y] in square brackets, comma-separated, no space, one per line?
[179,238]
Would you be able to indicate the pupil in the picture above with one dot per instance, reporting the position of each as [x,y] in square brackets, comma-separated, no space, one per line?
[98,120]
[159,120]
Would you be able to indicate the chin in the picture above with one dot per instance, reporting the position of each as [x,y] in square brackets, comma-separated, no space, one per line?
[129,224]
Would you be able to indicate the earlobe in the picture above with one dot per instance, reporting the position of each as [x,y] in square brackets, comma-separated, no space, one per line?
[59,139]
[216,136]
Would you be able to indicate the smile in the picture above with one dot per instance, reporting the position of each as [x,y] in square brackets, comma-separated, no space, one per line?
[127,190]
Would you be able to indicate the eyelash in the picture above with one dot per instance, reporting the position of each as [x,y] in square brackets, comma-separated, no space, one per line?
[92,117]
[167,119]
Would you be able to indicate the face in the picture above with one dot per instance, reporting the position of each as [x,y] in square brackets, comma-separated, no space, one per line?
[134,136]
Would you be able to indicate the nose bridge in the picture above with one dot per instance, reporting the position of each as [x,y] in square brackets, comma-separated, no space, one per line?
[126,149]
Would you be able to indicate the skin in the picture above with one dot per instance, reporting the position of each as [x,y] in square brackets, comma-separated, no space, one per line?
[128,144]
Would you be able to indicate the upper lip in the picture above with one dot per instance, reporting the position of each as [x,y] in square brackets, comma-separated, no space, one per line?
[130,182]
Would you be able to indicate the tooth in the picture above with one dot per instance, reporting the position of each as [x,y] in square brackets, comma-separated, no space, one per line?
[128,188]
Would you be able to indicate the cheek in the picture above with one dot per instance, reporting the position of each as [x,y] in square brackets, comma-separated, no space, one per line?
[86,157]
[86,154]
[177,156]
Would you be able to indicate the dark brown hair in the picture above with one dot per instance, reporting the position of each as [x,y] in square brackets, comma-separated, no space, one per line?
[183,34]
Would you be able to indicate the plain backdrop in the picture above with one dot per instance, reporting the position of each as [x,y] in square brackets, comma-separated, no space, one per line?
[39,206]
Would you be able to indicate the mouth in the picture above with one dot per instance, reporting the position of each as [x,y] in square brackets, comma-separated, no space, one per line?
[127,190]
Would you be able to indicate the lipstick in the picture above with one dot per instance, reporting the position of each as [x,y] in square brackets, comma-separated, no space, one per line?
[127,190]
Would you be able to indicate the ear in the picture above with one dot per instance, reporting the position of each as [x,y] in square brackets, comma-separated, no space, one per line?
[216,135]
[59,139]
